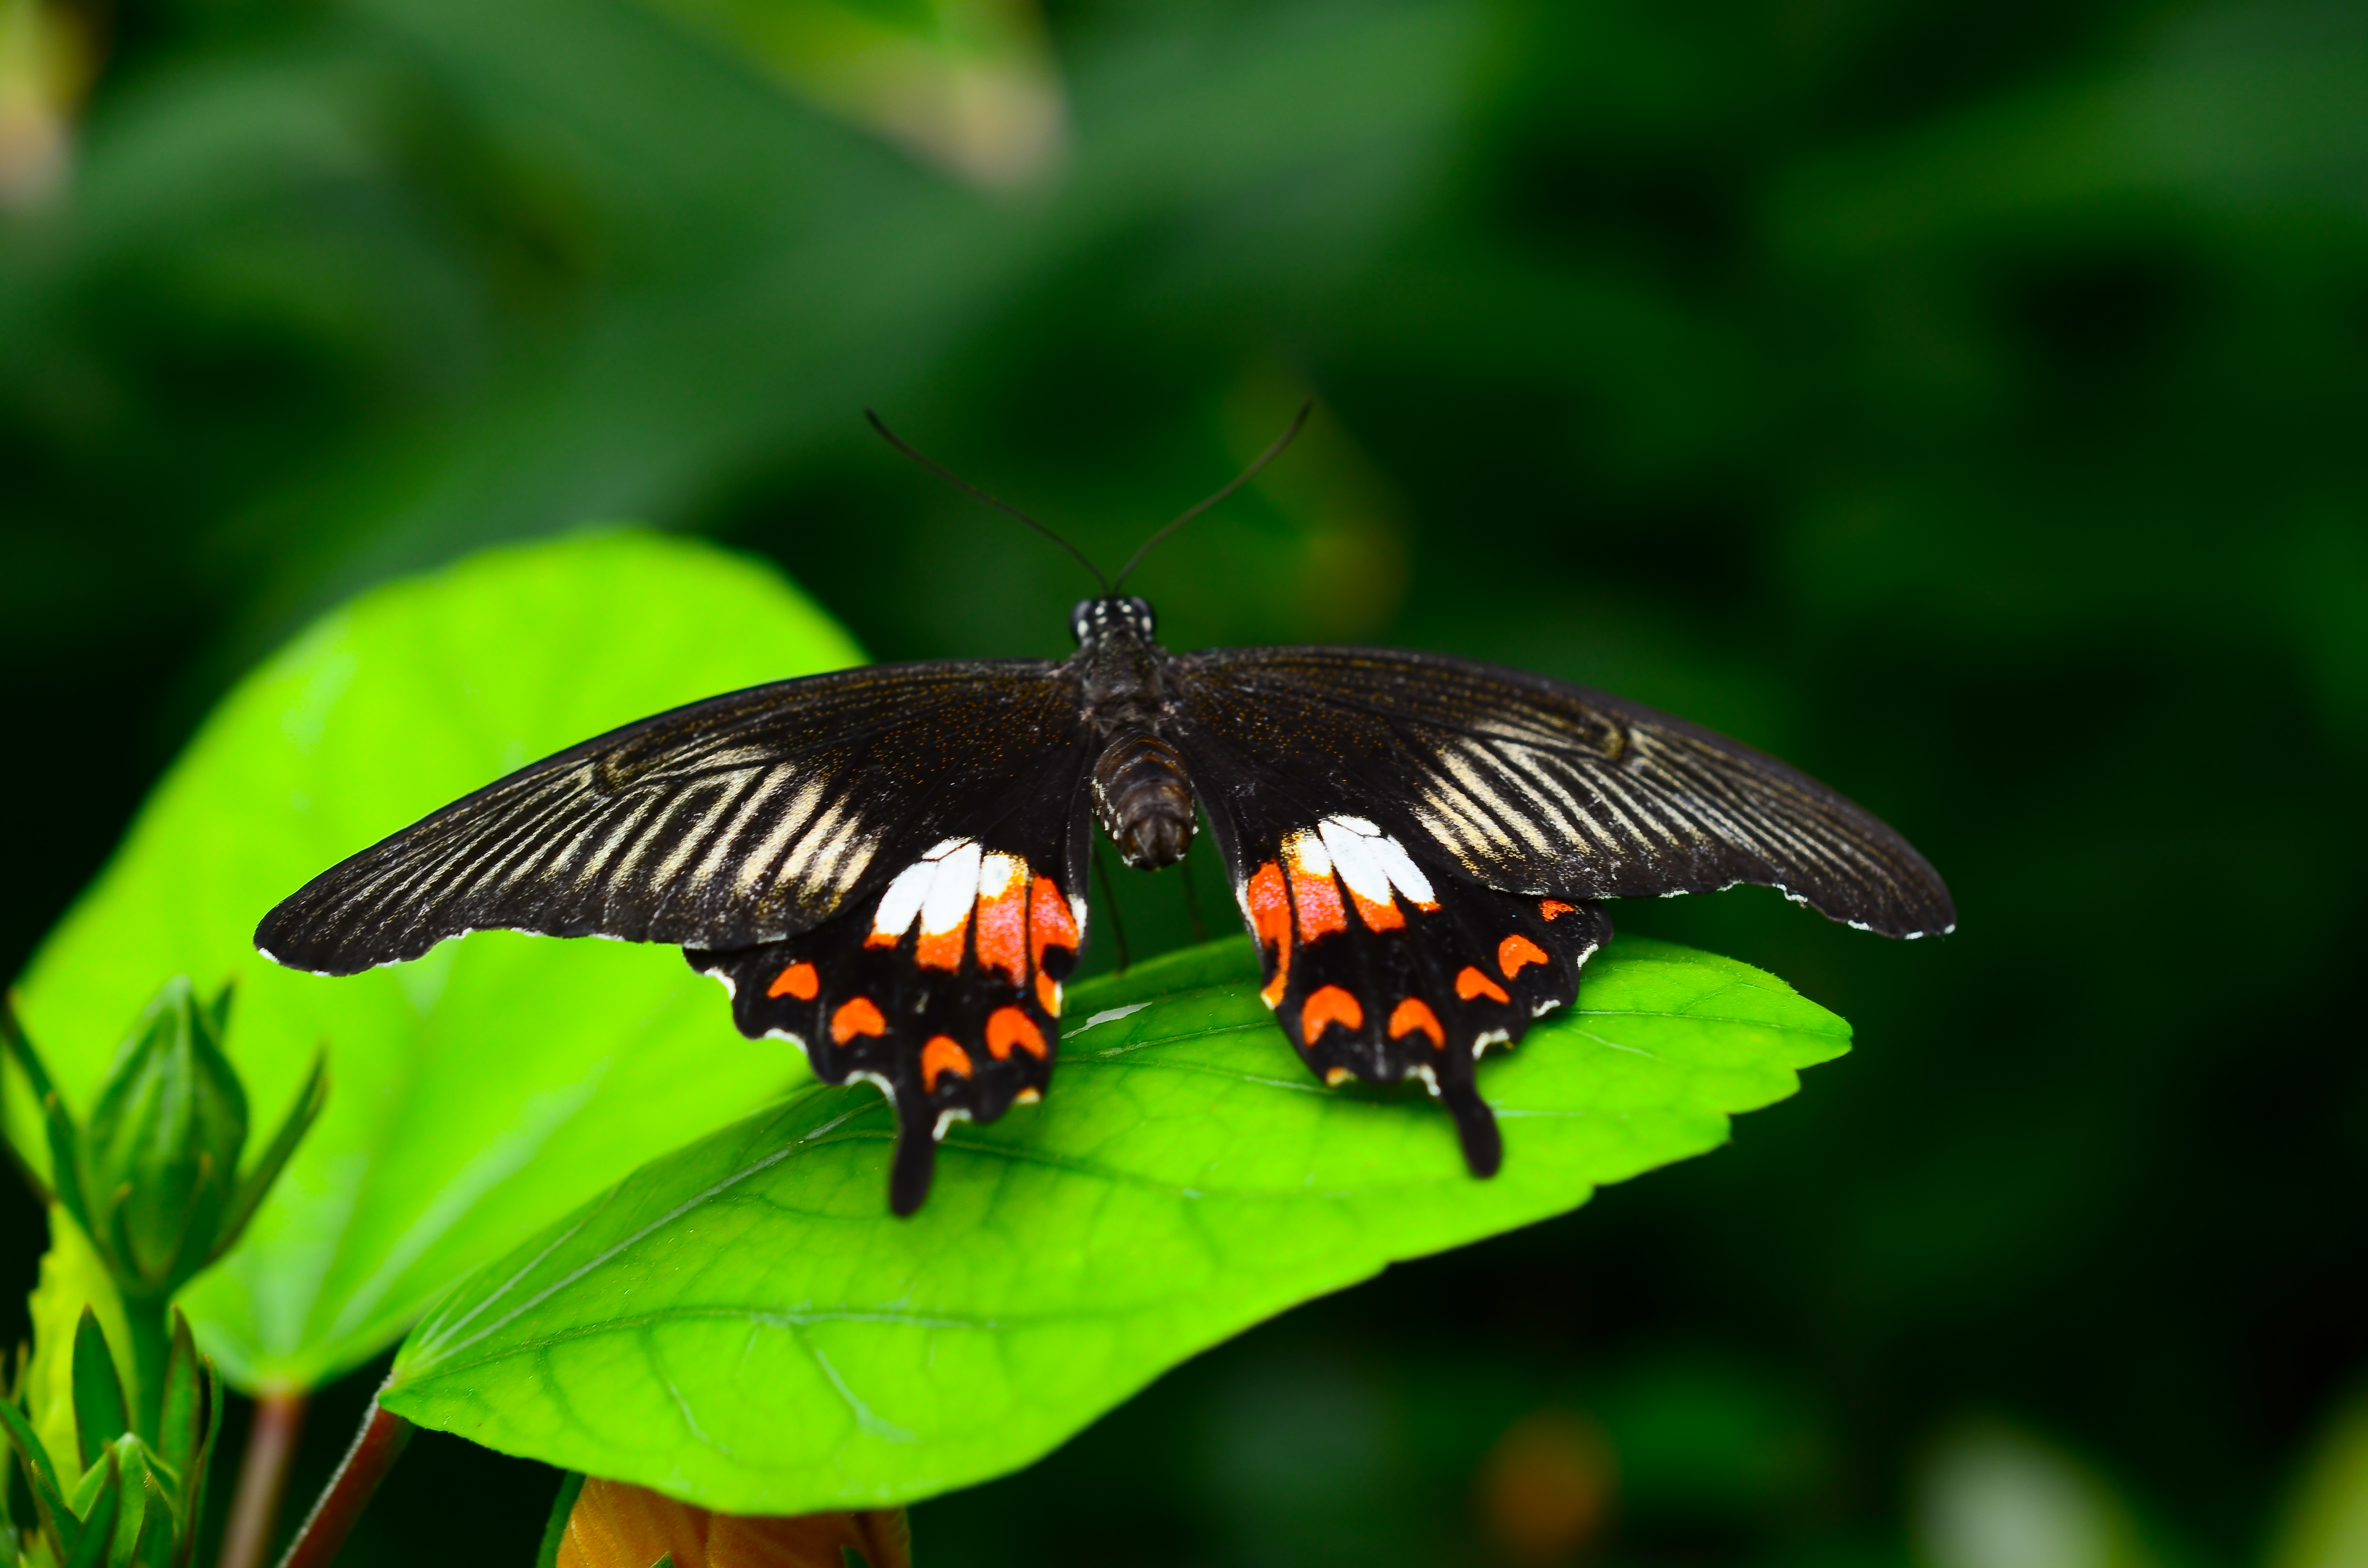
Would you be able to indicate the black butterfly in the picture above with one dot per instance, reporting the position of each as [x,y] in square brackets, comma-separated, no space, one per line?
[887,866]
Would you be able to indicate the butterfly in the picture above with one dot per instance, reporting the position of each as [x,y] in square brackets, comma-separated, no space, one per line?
[886,866]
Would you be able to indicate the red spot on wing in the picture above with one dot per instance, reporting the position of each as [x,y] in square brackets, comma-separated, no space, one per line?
[943,949]
[883,938]
[1270,918]
[1050,924]
[942,1055]
[860,1016]
[1554,908]
[1377,916]
[1008,1026]
[1048,994]
[1413,1014]
[1471,983]
[1003,931]
[1329,1005]
[798,980]
[1316,900]
[1515,951]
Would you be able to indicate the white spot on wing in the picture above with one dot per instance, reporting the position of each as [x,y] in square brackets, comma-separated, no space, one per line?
[903,899]
[1353,857]
[998,873]
[952,889]
[1403,872]
[1307,856]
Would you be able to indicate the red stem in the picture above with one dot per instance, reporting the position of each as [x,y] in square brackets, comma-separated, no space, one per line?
[375,1449]
[271,1441]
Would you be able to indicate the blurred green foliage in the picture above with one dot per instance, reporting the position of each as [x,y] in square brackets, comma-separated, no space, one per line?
[1962,402]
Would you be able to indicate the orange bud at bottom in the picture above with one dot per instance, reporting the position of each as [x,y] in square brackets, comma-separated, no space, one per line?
[620,1526]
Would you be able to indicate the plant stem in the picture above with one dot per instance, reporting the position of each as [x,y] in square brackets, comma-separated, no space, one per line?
[148,1319]
[271,1439]
[376,1447]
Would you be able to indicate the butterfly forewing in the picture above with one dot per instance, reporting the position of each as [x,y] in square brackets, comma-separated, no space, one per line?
[742,819]
[1531,786]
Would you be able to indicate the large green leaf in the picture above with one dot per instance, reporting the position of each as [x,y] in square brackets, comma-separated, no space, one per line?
[496,1083]
[740,1322]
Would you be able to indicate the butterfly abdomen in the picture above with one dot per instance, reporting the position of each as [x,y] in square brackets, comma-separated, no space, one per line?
[1144,800]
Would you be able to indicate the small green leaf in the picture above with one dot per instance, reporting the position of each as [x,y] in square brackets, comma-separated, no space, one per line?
[741,1325]
[94,1533]
[41,1477]
[258,1183]
[499,1080]
[180,1429]
[73,1277]
[100,1409]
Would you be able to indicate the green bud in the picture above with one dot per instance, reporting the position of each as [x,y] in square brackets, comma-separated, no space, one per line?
[159,1153]
[152,1177]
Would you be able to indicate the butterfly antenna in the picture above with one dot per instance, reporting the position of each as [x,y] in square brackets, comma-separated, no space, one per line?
[1240,479]
[973,491]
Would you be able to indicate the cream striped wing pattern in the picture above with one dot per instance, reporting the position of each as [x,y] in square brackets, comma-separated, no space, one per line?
[1530,786]
[744,819]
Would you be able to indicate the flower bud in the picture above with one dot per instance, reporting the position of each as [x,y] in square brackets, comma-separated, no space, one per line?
[152,1177]
[159,1153]
[615,1525]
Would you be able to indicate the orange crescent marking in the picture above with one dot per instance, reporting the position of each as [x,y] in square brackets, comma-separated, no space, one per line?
[1377,916]
[1270,918]
[942,1055]
[1048,994]
[860,1016]
[883,938]
[1517,950]
[1330,1004]
[1008,1026]
[1554,908]
[798,980]
[1413,1014]
[1471,983]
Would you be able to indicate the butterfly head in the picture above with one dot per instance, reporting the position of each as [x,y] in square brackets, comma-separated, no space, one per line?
[1098,620]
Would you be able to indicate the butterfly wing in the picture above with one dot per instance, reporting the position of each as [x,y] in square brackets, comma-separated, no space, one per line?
[1417,842]
[884,866]
[944,988]
[744,819]
[1531,786]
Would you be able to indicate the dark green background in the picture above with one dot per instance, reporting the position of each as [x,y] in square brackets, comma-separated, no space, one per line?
[1964,402]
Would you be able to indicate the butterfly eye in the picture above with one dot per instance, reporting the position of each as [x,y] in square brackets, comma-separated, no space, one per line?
[1081,620]
[1139,612]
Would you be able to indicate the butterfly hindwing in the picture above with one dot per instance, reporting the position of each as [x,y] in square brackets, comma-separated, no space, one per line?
[1380,968]
[944,990]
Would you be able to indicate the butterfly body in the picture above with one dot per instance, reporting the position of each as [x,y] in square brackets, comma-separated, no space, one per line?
[887,866]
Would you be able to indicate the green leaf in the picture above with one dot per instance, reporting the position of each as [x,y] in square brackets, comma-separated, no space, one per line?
[498,1082]
[180,1429]
[74,1278]
[40,1476]
[88,1547]
[99,1402]
[741,1325]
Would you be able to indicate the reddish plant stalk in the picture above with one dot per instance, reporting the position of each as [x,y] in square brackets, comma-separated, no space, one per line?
[376,1447]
